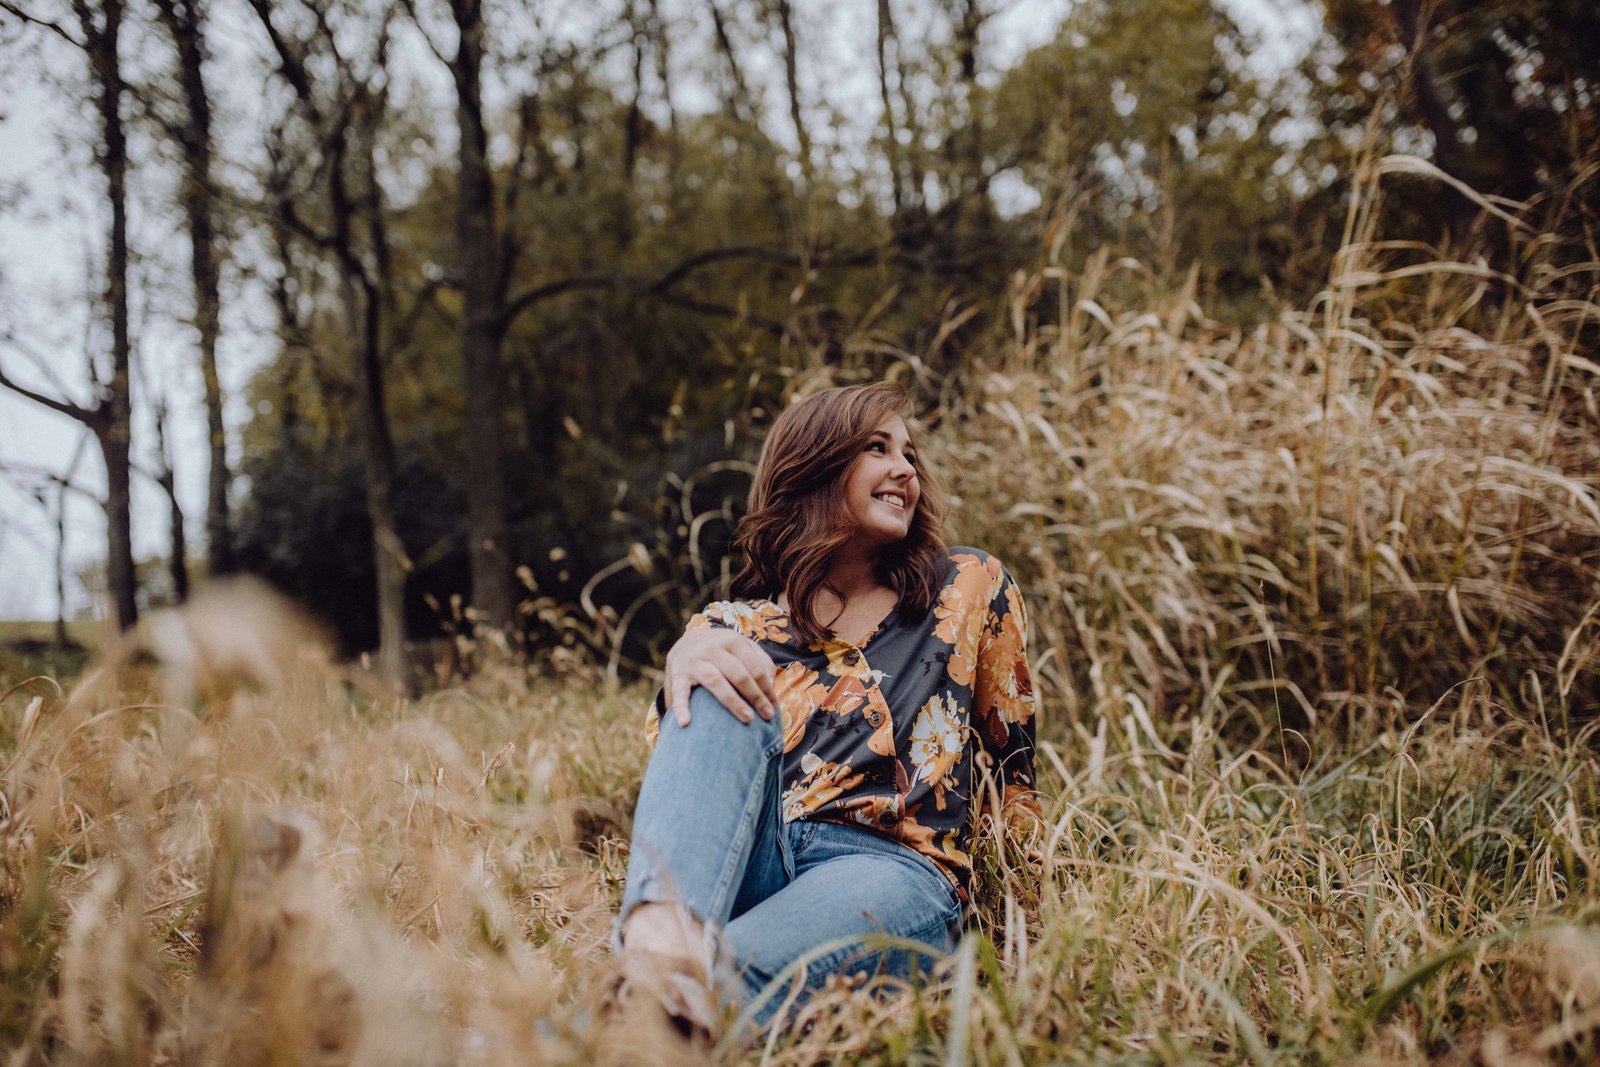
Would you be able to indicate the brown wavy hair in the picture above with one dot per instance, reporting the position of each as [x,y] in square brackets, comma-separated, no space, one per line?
[797,518]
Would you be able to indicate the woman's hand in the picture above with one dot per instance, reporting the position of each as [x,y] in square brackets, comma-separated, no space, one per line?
[731,667]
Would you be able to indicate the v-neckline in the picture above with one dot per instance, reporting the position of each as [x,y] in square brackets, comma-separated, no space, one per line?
[834,638]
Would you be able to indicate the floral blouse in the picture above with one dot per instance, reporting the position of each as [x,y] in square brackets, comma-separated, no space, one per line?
[894,733]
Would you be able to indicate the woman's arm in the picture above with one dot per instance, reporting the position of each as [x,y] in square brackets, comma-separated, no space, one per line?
[1004,705]
[731,666]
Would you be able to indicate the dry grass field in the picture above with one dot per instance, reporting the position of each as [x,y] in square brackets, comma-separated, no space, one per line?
[1316,614]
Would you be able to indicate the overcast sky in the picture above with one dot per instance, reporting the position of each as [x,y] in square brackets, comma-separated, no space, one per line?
[51,231]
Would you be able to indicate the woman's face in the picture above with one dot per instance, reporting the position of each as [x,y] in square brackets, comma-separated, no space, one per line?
[881,490]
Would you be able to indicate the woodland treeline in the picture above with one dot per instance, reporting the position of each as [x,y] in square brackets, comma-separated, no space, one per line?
[538,274]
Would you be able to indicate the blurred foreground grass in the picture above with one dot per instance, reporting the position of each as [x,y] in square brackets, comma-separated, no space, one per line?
[302,877]
[1316,630]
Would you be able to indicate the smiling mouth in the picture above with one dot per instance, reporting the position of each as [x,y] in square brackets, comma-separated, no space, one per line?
[894,499]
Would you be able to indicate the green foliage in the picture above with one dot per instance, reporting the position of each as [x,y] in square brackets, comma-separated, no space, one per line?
[304,528]
[1143,129]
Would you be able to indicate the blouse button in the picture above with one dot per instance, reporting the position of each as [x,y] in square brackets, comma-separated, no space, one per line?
[875,718]
[888,818]
[852,657]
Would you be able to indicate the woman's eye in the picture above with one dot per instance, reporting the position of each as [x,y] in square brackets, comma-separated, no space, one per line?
[875,446]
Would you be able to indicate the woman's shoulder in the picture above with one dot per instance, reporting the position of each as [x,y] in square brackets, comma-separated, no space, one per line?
[960,557]
[972,569]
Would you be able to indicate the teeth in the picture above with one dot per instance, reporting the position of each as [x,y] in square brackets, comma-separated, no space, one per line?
[892,498]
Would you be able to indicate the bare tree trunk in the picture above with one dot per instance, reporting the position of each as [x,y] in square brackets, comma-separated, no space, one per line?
[964,150]
[744,109]
[61,565]
[113,425]
[184,23]
[365,293]
[377,453]
[364,306]
[891,129]
[912,173]
[1435,107]
[291,333]
[791,80]
[482,328]
[178,556]
[633,124]
[109,419]
[662,47]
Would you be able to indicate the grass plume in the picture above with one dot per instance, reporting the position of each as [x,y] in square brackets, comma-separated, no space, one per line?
[1315,626]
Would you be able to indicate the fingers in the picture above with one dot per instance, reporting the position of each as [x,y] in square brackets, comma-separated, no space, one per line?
[729,696]
[670,688]
[763,674]
[724,676]
[743,677]
[730,667]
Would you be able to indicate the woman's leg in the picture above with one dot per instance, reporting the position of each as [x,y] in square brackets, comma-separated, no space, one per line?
[849,885]
[706,830]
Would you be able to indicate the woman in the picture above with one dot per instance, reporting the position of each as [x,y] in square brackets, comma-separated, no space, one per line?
[821,741]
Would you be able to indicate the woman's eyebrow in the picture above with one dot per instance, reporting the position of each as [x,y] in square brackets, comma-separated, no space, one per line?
[883,435]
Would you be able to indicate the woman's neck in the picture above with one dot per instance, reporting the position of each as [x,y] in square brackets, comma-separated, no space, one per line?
[852,573]
[855,578]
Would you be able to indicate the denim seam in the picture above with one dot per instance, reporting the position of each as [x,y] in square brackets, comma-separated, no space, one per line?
[738,848]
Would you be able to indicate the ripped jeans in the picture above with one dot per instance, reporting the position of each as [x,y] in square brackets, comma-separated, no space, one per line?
[708,834]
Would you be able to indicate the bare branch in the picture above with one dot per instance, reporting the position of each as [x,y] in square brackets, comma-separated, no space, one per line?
[33,20]
[45,476]
[723,311]
[87,416]
[427,38]
[525,300]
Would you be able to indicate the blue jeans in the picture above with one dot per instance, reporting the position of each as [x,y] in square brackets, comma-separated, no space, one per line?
[708,834]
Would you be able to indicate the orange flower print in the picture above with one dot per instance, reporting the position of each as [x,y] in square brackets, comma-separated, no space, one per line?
[938,741]
[822,783]
[845,696]
[938,845]
[761,620]
[962,612]
[799,695]
[849,696]
[1004,687]
[1020,810]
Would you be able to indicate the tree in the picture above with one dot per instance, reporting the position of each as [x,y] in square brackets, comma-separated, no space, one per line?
[184,22]
[344,115]
[1142,127]
[167,479]
[483,276]
[98,38]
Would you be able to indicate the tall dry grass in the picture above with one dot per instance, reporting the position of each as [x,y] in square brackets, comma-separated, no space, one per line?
[1342,513]
[1314,615]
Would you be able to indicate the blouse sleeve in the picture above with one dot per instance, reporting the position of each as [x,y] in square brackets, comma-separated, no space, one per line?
[705,617]
[1004,705]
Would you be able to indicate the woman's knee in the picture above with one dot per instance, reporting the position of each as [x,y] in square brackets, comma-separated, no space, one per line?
[705,708]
